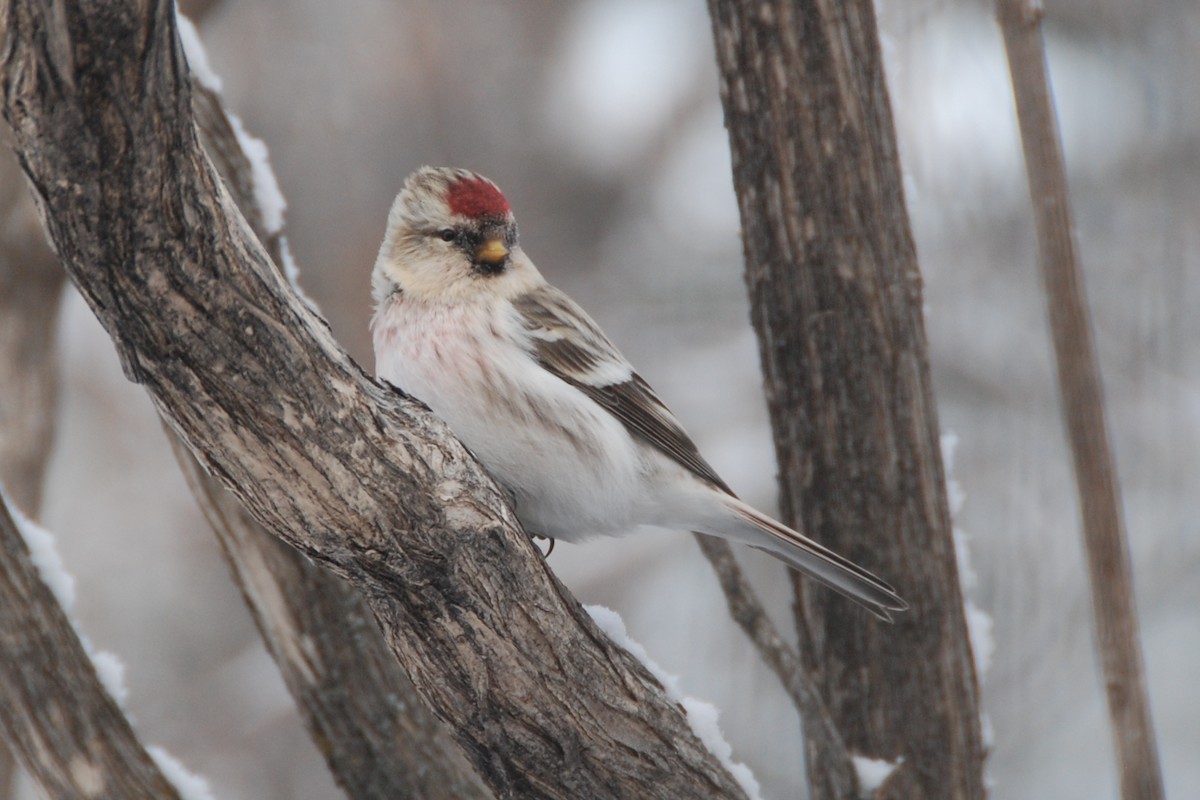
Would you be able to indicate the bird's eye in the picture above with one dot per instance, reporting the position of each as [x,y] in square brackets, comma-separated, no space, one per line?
[448,234]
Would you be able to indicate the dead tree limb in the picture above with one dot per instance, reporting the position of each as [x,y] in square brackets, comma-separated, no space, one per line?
[350,472]
[836,300]
[1113,609]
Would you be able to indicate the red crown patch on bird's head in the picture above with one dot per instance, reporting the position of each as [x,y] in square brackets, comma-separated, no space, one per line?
[476,197]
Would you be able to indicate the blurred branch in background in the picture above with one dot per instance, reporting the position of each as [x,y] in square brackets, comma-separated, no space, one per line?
[360,708]
[836,300]
[31,283]
[1082,405]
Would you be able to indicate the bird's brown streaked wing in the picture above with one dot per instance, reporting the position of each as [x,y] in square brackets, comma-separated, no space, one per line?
[569,345]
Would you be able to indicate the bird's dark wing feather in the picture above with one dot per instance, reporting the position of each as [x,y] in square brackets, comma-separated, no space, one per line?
[568,344]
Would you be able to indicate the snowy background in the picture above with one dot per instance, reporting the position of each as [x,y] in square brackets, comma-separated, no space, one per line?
[601,122]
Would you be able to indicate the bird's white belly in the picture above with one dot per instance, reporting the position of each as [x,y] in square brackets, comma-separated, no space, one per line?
[572,468]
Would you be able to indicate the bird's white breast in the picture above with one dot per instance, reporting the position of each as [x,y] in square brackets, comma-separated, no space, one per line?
[572,468]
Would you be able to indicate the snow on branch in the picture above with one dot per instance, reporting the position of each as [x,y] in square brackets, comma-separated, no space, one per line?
[64,722]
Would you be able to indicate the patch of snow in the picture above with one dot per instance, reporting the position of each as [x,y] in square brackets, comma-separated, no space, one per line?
[43,552]
[190,785]
[110,670]
[290,270]
[267,194]
[872,772]
[701,716]
[979,622]
[197,58]
[266,188]
[983,643]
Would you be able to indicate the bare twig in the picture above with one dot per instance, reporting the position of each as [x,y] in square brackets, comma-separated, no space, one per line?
[351,472]
[1109,569]
[748,612]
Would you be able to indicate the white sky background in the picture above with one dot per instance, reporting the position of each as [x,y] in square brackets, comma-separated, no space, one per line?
[601,122]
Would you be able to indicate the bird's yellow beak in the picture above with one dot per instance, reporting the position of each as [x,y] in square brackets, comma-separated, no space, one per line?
[492,251]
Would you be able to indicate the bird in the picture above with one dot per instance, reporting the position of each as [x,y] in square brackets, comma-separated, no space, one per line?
[528,382]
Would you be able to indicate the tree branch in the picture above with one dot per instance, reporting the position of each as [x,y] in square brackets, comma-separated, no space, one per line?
[1113,608]
[350,472]
[747,611]
[69,733]
[359,707]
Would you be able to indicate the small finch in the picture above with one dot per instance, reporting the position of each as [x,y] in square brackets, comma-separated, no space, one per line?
[465,322]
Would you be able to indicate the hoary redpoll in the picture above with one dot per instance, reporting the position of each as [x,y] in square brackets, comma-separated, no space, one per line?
[466,323]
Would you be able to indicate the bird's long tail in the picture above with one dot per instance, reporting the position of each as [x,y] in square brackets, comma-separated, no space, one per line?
[814,560]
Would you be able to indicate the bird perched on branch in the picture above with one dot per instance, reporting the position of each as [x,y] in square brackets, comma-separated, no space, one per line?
[465,322]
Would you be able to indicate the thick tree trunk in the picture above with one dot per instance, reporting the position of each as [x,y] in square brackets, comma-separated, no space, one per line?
[348,471]
[836,300]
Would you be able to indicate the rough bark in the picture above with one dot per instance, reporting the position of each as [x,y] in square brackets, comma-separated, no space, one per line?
[1113,608]
[360,708]
[836,300]
[350,472]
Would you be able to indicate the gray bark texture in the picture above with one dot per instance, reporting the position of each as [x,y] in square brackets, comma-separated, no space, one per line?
[836,300]
[350,472]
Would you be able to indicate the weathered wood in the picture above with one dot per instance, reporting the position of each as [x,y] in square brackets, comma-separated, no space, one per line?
[1113,609]
[346,470]
[836,300]
[362,711]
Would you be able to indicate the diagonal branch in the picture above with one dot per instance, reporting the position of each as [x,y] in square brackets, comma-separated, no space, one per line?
[352,473]
[67,730]
[748,612]
[1111,575]
[358,705]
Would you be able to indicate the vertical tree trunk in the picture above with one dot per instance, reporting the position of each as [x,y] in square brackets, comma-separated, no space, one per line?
[836,301]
